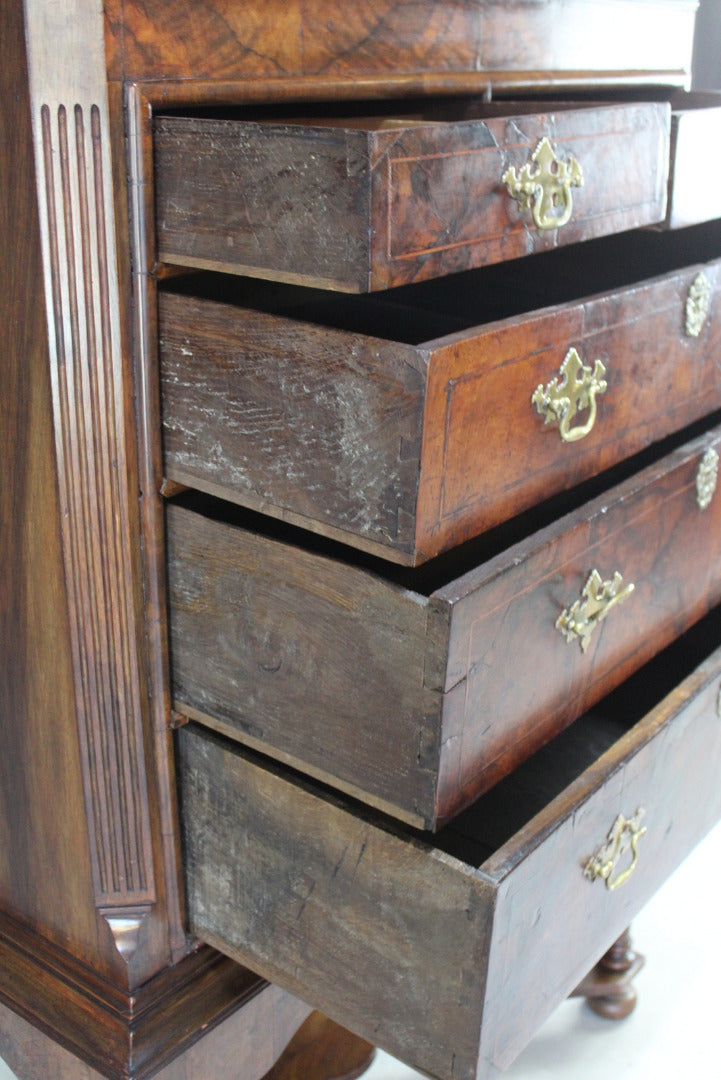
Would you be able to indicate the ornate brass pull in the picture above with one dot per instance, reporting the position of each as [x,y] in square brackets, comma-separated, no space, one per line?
[624,835]
[598,597]
[573,390]
[546,188]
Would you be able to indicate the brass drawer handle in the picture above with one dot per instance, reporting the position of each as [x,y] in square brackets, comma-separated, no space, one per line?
[697,304]
[571,391]
[624,834]
[545,188]
[598,597]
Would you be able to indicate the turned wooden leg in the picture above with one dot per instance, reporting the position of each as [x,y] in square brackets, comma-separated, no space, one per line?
[608,988]
[322,1050]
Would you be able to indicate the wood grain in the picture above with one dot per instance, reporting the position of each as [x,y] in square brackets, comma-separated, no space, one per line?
[373,204]
[321,426]
[435,953]
[203,1018]
[336,869]
[43,831]
[131,116]
[88,382]
[262,632]
[277,401]
[322,1049]
[222,39]
[347,674]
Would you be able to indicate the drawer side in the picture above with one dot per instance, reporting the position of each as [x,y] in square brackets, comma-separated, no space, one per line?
[380,934]
[313,661]
[213,180]
[307,423]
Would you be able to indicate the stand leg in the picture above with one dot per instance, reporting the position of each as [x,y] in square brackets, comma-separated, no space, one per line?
[608,988]
[322,1050]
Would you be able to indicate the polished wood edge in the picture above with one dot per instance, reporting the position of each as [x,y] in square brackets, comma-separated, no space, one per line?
[120,1034]
[608,988]
[176,93]
[323,1050]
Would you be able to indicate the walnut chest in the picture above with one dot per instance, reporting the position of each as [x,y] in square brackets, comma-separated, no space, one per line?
[439,387]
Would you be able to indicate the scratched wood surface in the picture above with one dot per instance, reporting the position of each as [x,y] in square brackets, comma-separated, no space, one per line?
[340,415]
[372,203]
[407,698]
[423,951]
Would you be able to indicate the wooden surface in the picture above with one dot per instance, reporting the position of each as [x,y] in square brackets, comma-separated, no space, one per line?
[280,402]
[319,425]
[129,1035]
[435,954]
[80,837]
[224,40]
[651,530]
[375,203]
[320,1050]
[245,1043]
[407,698]
[43,841]
[133,910]
[66,637]
[305,656]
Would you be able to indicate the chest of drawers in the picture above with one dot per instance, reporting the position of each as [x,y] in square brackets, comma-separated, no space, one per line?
[430,948]
[372,432]
[372,443]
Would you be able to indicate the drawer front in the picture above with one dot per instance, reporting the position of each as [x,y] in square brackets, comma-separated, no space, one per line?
[423,953]
[278,414]
[407,699]
[696,132]
[540,601]
[438,197]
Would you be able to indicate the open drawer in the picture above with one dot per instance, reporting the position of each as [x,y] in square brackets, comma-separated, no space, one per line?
[418,691]
[406,423]
[450,953]
[359,203]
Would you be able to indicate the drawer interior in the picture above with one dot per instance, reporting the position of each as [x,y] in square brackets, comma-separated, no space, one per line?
[430,310]
[476,834]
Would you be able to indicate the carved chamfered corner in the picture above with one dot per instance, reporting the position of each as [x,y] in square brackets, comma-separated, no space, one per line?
[125,926]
